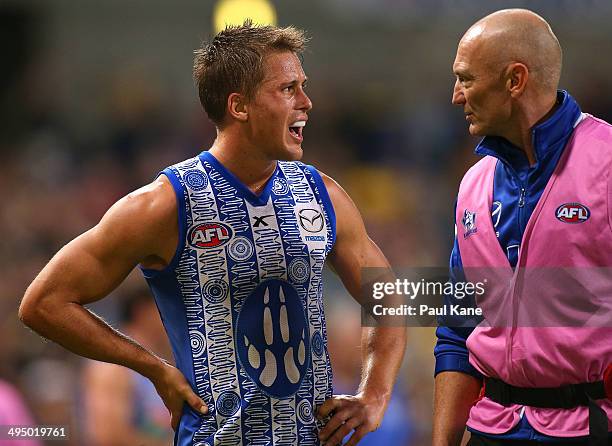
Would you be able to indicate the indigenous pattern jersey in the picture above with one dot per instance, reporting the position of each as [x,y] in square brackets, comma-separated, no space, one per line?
[242,303]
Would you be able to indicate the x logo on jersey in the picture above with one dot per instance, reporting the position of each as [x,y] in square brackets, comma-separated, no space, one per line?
[260,221]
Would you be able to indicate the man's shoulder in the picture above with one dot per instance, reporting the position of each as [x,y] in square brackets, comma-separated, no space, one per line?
[481,166]
[183,166]
[590,123]
[309,170]
[147,209]
[143,224]
[155,194]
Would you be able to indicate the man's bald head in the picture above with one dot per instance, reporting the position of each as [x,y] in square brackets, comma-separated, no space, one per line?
[518,35]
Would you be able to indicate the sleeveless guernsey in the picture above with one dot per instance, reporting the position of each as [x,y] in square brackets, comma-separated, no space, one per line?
[242,303]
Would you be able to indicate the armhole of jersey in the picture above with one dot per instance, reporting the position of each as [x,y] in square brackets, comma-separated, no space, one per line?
[327,203]
[180,204]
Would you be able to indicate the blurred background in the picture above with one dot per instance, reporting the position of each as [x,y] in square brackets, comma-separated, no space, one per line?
[97,97]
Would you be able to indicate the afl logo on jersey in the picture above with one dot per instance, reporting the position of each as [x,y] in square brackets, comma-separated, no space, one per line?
[209,235]
[572,213]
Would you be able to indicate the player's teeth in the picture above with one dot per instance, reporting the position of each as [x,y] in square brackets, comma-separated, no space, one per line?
[298,124]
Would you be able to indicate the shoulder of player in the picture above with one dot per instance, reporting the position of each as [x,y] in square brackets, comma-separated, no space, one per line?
[336,193]
[152,201]
[150,209]
[347,214]
[338,196]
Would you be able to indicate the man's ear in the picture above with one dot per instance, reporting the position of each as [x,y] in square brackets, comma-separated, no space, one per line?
[517,75]
[237,107]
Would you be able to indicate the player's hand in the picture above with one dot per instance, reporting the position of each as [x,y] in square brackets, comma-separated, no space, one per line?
[174,390]
[350,413]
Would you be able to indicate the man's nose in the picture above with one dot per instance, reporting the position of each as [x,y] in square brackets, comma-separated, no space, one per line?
[304,102]
[458,97]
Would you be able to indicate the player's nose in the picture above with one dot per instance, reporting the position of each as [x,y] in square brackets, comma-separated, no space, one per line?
[304,102]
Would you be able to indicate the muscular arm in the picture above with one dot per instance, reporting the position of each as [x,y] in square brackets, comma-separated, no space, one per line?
[382,347]
[139,228]
[454,395]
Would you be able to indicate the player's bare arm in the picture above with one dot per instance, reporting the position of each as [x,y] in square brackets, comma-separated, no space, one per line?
[382,347]
[139,228]
[455,393]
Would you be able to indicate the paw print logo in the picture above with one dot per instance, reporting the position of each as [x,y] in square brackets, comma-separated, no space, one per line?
[272,338]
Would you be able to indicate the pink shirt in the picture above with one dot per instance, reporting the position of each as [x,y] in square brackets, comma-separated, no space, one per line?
[548,322]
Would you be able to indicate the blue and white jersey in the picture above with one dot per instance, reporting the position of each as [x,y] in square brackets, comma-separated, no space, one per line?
[242,302]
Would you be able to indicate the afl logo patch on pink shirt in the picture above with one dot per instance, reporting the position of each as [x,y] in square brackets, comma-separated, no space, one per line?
[572,213]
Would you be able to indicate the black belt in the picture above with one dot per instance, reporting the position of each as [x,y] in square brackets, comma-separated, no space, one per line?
[565,397]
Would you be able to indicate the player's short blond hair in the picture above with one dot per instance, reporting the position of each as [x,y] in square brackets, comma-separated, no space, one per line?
[233,62]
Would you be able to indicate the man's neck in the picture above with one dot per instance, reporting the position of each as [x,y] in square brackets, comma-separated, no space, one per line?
[244,162]
[528,119]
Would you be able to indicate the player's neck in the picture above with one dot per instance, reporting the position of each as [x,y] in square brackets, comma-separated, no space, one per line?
[252,169]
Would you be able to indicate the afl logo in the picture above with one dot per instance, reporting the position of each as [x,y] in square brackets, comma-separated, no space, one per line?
[572,213]
[209,235]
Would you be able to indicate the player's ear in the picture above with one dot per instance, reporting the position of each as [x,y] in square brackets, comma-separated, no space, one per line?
[236,107]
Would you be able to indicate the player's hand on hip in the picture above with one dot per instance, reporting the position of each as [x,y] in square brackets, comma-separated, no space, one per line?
[174,390]
[349,413]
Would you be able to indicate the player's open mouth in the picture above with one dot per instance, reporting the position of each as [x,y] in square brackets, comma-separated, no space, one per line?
[296,129]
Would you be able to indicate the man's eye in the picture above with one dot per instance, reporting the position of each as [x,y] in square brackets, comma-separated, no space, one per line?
[288,89]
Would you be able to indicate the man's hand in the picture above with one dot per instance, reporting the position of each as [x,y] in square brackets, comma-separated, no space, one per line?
[174,391]
[358,413]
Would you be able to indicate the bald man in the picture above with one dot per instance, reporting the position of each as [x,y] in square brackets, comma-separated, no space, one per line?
[533,372]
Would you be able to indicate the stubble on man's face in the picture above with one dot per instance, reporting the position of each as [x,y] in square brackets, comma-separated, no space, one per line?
[279,104]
